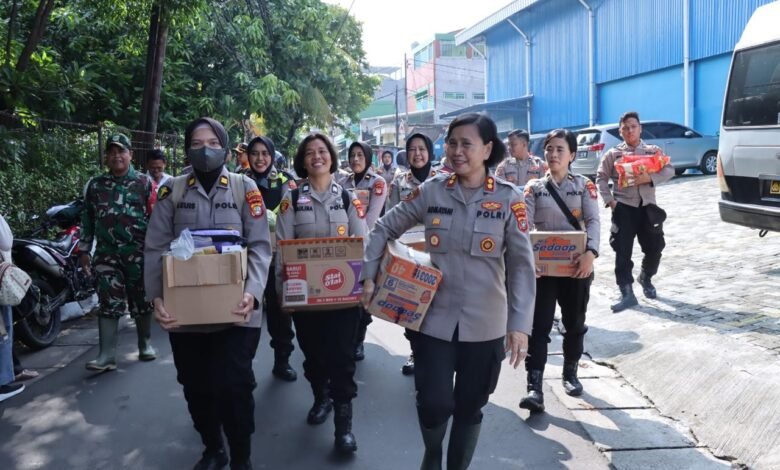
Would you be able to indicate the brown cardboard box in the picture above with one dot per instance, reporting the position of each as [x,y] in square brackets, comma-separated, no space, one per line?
[204,289]
[321,273]
[405,286]
[555,251]
[414,237]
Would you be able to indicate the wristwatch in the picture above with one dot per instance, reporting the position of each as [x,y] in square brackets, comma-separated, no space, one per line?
[595,253]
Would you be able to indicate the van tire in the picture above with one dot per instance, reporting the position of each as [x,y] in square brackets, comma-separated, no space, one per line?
[709,163]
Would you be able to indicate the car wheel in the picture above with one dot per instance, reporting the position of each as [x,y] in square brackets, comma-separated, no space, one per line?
[709,163]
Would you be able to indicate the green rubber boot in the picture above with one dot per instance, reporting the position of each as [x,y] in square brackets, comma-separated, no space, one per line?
[143,326]
[108,329]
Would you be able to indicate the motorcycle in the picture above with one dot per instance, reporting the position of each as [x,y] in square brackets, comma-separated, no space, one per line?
[57,276]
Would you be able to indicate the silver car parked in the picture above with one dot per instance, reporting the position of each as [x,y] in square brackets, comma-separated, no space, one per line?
[686,147]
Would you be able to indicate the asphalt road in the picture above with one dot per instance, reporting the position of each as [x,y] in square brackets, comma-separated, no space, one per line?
[135,418]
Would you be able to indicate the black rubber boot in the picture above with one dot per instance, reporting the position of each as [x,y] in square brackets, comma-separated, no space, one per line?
[360,352]
[571,383]
[627,299]
[212,459]
[432,438]
[534,402]
[321,407]
[408,368]
[463,442]
[647,287]
[345,442]
[245,465]
[282,369]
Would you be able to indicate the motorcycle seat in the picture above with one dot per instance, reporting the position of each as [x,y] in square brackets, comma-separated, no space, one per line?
[62,245]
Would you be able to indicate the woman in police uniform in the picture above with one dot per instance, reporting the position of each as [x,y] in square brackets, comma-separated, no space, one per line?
[579,195]
[372,191]
[316,209]
[419,150]
[213,362]
[273,184]
[476,233]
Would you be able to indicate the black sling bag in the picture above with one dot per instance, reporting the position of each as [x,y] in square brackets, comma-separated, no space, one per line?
[562,205]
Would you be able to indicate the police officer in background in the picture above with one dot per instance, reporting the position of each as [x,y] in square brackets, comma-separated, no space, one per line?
[320,207]
[273,184]
[580,211]
[477,234]
[419,150]
[242,158]
[363,180]
[116,211]
[386,168]
[634,212]
[521,166]
[213,362]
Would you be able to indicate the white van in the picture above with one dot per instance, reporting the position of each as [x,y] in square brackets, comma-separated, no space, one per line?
[749,147]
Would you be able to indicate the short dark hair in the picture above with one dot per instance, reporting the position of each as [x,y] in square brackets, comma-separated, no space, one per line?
[565,134]
[628,115]
[520,134]
[156,154]
[300,154]
[487,132]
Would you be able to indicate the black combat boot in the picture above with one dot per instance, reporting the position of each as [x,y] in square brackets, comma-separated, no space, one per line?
[212,459]
[627,299]
[408,368]
[432,438]
[463,442]
[571,383]
[647,287]
[534,402]
[321,407]
[282,369]
[345,442]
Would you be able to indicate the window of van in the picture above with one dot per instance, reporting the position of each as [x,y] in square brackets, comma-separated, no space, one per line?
[587,137]
[753,97]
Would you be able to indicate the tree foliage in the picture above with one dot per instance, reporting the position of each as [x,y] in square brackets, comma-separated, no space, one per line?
[292,64]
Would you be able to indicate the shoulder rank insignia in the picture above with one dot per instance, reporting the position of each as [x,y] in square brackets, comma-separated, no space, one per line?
[451,181]
[223,180]
[490,184]
[191,181]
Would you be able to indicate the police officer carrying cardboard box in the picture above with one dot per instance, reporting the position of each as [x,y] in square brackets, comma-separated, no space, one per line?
[213,362]
[634,212]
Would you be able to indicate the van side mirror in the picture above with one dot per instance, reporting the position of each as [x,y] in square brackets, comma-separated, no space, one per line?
[689,134]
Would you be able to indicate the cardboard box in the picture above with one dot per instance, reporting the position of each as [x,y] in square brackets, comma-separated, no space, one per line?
[321,273]
[554,251]
[414,237]
[204,289]
[405,287]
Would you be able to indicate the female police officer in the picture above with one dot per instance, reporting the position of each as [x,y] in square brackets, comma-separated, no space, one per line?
[476,233]
[213,362]
[320,207]
[364,180]
[273,183]
[419,150]
[579,196]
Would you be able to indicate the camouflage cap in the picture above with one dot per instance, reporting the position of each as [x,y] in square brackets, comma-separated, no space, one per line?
[120,140]
[241,148]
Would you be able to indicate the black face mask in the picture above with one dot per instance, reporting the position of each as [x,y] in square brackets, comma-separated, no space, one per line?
[206,159]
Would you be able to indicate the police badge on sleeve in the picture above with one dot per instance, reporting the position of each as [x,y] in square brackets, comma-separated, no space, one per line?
[255,200]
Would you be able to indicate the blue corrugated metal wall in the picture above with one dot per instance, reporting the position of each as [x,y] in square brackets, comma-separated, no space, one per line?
[710,86]
[639,52]
[637,36]
[654,95]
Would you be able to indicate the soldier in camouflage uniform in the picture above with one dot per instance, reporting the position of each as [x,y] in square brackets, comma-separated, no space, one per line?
[115,216]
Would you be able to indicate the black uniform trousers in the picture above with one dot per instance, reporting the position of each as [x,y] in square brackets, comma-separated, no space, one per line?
[475,367]
[629,222]
[572,295]
[327,340]
[279,323]
[215,370]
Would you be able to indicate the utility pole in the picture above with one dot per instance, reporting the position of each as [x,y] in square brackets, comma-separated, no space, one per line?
[406,99]
[397,123]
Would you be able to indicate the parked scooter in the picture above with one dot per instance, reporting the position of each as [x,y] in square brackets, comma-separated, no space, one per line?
[57,276]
